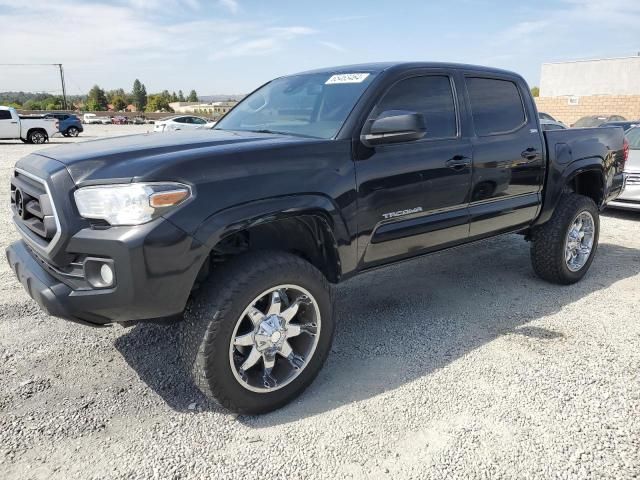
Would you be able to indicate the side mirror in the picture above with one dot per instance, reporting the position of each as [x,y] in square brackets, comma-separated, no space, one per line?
[394,126]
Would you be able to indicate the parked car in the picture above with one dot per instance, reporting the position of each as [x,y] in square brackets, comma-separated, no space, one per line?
[29,129]
[138,120]
[249,223]
[629,199]
[92,118]
[546,116]
[179,122]
[551,125]
[596,120]
[119,120]
[68,124]
[626,125]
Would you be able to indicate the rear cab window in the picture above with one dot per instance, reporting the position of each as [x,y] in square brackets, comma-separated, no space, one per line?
[496,106]
[5,115]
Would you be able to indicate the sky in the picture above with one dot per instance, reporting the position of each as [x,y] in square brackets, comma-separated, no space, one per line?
[233,46]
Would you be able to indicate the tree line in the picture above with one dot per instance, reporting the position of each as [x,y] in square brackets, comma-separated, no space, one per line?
[99,99]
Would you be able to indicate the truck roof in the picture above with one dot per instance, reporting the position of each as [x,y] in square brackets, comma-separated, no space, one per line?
[383,66]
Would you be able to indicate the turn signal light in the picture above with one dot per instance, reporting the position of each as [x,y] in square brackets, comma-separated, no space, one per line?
[168,198]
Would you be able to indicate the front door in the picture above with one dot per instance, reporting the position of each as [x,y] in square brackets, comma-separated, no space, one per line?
[9,126]
[412,197]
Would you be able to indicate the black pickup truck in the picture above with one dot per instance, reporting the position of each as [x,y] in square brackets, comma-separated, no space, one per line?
[239,231]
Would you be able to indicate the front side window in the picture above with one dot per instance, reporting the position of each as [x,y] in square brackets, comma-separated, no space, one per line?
[431,96]
[496,105]
[309,105]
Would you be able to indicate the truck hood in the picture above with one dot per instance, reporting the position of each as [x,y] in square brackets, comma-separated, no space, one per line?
[127,157]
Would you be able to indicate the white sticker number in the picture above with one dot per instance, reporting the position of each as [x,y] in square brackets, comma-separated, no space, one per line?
[347,78]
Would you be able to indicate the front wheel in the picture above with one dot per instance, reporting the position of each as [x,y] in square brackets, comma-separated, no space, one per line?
[259,332]
[563,248]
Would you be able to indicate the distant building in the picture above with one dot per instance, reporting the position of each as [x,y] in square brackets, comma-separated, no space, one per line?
[214,110]
[607,86]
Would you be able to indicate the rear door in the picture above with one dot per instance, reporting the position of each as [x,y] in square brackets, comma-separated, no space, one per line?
[412,196]
[508,157]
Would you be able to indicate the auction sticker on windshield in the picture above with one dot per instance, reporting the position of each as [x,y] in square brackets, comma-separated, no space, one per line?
[347,78]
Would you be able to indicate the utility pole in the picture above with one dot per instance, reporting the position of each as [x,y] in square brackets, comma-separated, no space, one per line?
[64,88]
[59,65]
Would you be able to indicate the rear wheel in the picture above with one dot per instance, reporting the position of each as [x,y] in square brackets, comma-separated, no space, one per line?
[259,332]
[37,136]
[563,248]
[72,131]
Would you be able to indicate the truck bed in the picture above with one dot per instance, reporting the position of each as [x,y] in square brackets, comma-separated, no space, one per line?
[570,151]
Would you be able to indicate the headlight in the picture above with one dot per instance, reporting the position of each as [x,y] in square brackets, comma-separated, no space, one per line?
[130,204]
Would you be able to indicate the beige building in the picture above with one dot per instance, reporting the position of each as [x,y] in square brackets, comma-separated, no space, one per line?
[608,86]
[214,110]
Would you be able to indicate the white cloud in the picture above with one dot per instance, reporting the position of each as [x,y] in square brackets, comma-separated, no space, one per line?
[575,29]
[232,5]
[267,41]
[332,46]
[111,44]
[164,4]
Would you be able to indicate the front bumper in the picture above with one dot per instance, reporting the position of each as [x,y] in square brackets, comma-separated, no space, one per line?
[629,199]
[155,264]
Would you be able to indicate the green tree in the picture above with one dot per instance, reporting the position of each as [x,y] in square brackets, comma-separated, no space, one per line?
[174,97]
[52,103]
[32,105]
[159,103]
[118,103]
[535,91]
[193,96]
[180,96]
[96,100]
[139,95]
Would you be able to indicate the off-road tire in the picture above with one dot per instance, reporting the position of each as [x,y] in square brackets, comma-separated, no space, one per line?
[548,240]
[211,315]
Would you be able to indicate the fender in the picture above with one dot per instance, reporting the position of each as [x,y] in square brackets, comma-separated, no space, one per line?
[559,177]
[239,217]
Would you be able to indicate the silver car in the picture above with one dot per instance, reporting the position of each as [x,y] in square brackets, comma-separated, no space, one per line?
[629,199]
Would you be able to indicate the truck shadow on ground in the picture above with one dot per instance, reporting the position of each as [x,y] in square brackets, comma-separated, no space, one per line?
[403,322]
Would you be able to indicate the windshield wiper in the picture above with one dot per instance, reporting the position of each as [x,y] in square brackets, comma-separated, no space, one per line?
[276,132]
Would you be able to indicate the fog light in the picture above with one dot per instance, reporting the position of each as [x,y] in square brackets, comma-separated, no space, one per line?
[106,273]
[99,272]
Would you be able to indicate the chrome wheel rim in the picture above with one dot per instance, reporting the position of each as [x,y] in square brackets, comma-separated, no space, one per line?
[579,242]
[275,338]
[37,138]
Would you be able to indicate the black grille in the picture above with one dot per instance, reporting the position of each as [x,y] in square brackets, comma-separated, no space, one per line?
[32,208]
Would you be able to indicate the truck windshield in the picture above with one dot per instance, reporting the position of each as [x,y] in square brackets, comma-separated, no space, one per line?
[310,105]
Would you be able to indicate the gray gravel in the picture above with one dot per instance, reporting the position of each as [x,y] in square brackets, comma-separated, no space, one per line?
[460,365]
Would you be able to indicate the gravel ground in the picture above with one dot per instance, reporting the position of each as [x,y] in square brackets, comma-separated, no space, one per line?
[459,365]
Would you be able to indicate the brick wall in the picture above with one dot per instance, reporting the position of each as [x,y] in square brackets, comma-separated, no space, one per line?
[626,105]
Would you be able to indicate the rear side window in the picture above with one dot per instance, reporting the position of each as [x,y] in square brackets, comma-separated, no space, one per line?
[432,96]
[496,105]
[5,115]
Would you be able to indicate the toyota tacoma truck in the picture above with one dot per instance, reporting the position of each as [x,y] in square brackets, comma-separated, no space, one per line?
[29,129]
[239,232]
